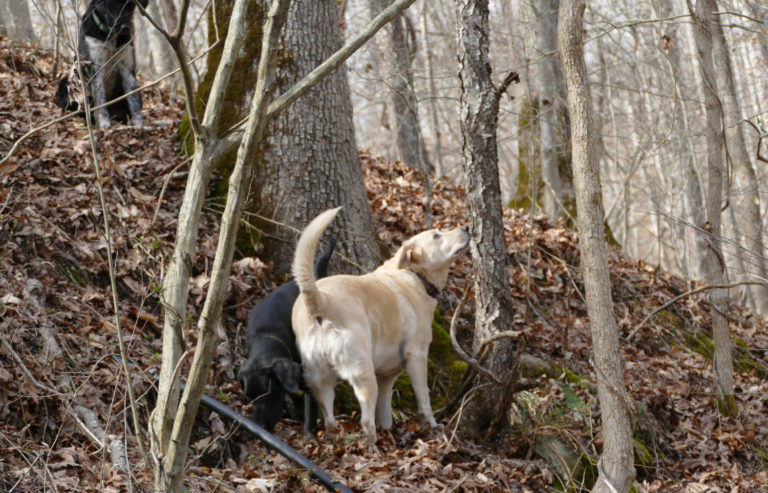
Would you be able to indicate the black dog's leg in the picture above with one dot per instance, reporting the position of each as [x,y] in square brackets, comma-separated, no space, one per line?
[126,67]
[97,52]
[310,413]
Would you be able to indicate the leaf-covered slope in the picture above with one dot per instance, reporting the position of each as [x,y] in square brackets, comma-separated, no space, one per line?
[59,341]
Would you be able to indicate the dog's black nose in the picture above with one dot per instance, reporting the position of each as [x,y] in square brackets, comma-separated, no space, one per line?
[465,228]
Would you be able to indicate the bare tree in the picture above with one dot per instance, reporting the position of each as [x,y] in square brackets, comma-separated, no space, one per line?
[162,59]
[552,117]
[396,52]
[746,192]
[714,262]
[616,466]
[479,106]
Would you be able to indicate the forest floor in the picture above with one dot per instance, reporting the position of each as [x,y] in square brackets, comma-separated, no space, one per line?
[62,390]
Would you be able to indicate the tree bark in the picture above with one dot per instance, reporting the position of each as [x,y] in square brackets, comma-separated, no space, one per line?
[615,467]
[746,192]
[714,263]
[479,106]
[311,161]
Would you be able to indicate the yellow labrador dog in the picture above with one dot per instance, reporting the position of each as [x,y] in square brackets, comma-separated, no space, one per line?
[367,329]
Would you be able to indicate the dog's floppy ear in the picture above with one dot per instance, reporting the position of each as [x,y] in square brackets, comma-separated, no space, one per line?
[288,373]
[409,254]
[244,377]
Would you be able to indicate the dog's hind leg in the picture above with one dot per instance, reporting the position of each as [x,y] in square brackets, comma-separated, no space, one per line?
[323,392]
[366,390]
[416,365]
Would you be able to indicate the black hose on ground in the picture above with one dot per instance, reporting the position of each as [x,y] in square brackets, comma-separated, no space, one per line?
[274,443]
[268,438]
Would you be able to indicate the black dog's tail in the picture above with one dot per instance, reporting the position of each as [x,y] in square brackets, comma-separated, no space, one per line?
[321,264]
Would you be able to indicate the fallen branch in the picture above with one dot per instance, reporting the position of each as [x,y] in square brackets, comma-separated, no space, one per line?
[89,422]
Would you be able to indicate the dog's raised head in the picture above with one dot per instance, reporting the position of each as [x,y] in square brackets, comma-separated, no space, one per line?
[431,253]
[266,383]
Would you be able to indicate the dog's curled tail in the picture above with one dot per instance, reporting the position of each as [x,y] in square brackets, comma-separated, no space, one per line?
[303,261]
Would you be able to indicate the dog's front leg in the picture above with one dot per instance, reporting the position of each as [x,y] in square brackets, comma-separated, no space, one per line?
[384,402]
[416,365]
[127,70]
[98,92]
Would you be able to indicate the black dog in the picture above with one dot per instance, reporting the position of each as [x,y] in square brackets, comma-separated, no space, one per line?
[108,66]
[274,365]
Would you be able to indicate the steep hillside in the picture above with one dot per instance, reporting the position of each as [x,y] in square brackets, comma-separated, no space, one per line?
[60,380]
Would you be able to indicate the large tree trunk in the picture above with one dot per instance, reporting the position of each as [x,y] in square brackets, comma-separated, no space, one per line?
[311,161]
[479,106]
[714,263]
[616,467]
[746,192]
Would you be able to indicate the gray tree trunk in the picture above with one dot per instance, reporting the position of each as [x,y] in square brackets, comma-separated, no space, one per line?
[479,106]
[746,191]
[556,192]
[396,55]
[311,161]
[714,263]
[162,59]
[16,23]
[433,94]
[671,46]
[616,464]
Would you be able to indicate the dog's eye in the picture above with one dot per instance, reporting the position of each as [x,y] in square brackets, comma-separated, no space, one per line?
[436,236]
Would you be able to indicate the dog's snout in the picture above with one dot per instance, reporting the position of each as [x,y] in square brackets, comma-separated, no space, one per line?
[465,229]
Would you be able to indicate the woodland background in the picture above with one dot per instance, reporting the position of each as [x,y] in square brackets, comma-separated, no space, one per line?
[60,379]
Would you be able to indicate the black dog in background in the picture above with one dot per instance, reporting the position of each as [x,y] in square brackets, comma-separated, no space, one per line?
[273,368]
[108,65]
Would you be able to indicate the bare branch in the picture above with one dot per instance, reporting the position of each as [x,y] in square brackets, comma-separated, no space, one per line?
[687,294]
